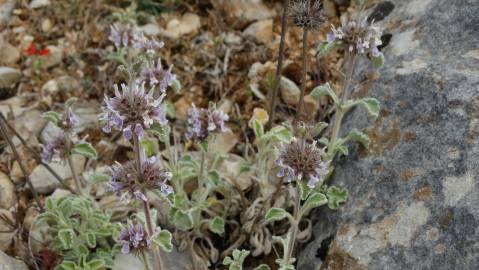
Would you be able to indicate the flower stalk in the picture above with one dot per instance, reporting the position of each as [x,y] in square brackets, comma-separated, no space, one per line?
[279,67]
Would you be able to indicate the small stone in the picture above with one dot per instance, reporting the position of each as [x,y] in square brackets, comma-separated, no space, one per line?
[63,83]
[6,231]
[6,8]
[232,39]
[45,183]
[289,91]
[60,193]
[224,142]
[7,192]
[247,11]
[9,76]
[151,29]
[47,25]
[9,54]
[230,169]
[16,173]
[188,24]
[226,106]
[30,217]
[54,58]
[311,106]
[49,132]
[261,32]
[39,3]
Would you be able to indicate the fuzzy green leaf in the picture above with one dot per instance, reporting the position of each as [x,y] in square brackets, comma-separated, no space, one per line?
[275,214]
[51,116]
[149,146]
[96,178]
[318,127]
[324,90]
[163,240]
[263,267]
[182,220]
[91,239]
[324,48]
[95,264]
[85,149]
[66,237]
[68,265]
[162,132]
[258,129]
[360,137]
[314,200]
[378,61]
[70,102]
[169,109]
[176,85]
[336,196]
[371,106]
[341,149]
[280,133]
[217,225]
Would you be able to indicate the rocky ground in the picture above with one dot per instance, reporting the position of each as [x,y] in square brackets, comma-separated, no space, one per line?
[414,194]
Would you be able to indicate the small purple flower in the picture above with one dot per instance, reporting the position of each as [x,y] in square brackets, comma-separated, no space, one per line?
[127,182]
[121,34]
[68,120]
[156,75]
[301,160]
[132,110]
[357,35]
[134,239]
[202,122]
[55,149]
[148,45]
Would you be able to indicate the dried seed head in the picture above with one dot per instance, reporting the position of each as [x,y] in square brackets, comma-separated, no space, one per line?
[127,182]
[132,110]
[134,239]
[202,122]
[305,15]
[302,160]
[357,35]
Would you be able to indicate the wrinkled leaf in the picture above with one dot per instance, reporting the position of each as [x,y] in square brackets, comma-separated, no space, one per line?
[325,47]
[85,149]
[378,61]
[163,240]
[371,106]
[314,200]
[324,90]
[217,225]
[66,237]
[275,214]
[336,196]
[360,137]
[51,116]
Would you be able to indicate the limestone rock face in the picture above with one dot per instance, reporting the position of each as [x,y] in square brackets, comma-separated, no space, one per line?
[414,195]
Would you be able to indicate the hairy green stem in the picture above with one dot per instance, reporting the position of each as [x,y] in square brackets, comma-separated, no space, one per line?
[20,162]
[146,206]
[293,231]
[340,111]
[279,67]
[74,174]
[145,260]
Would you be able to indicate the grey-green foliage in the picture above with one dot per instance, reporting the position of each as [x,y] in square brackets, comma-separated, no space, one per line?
[81,233]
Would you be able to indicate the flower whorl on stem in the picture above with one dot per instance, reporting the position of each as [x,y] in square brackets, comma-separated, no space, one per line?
[132,110]
[300,160]
[202,122]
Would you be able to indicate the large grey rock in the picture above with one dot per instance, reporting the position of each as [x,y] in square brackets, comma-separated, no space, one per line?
[7,192]
[9,263]
[414,195]
[6,8]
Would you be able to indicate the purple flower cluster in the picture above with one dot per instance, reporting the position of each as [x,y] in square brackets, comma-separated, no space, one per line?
[358,35]
[202,122]
[300,160]
[124,35]
[55,149]
[68,120]
[156,75]
[134,239]
[127,181]
[132,110]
